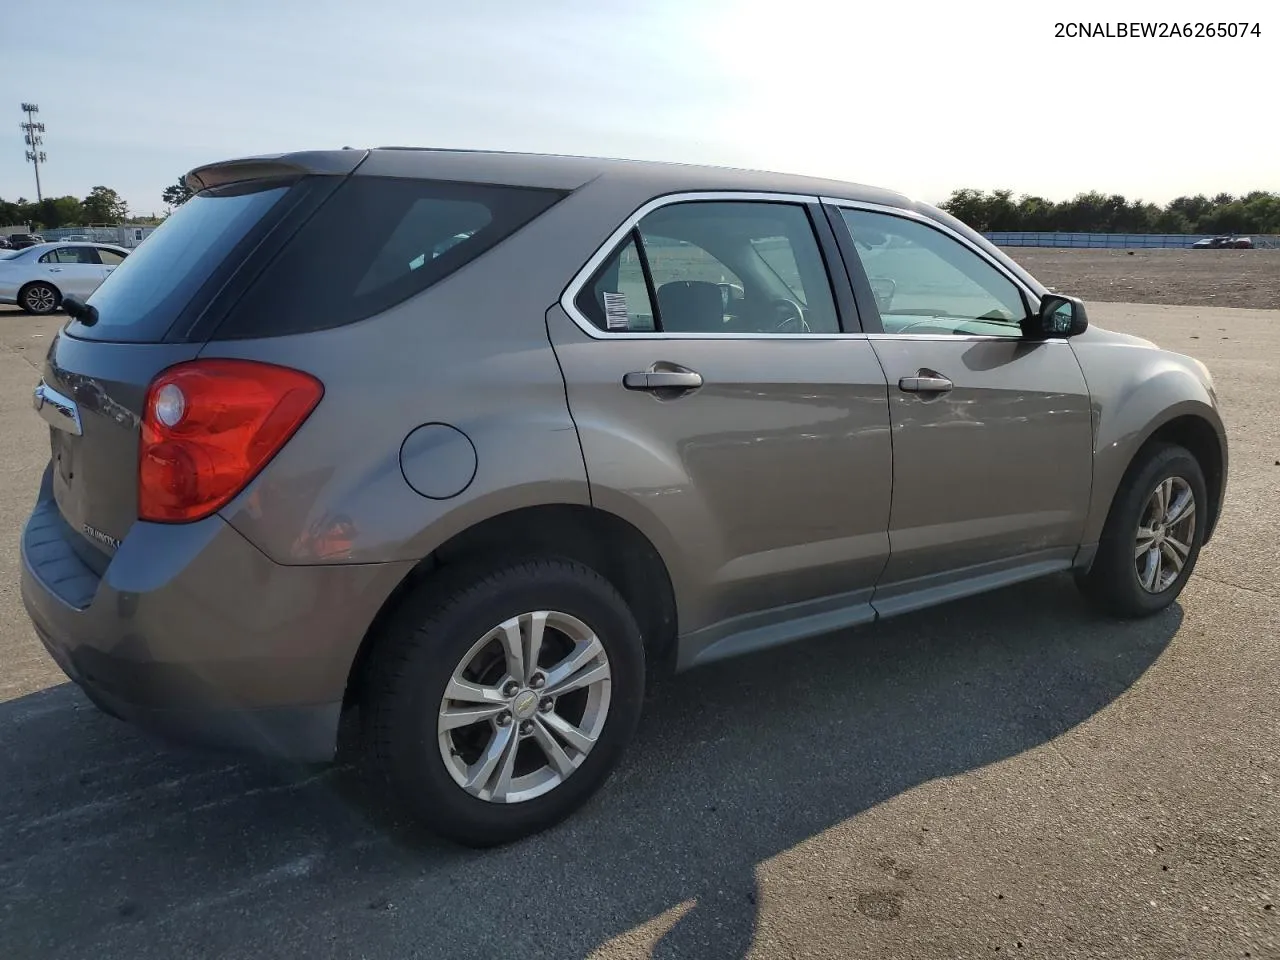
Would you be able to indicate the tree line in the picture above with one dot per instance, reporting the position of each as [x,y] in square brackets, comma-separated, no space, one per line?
[994,211]
[102,206]
[998,210]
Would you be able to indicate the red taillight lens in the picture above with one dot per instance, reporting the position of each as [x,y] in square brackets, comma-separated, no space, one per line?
[209,426]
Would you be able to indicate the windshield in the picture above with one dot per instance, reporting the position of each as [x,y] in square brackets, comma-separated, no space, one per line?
[145,294]
[11,254]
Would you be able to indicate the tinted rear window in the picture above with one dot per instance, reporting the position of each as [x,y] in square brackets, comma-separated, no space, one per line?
[376,242]
[143,296]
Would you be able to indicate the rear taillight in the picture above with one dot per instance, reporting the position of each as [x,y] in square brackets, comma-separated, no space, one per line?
[209,426]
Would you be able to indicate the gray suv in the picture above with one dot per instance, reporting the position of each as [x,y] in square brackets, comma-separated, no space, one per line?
[472,444]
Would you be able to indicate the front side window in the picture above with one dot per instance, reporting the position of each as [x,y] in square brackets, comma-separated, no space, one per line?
[716,266]
[925,281]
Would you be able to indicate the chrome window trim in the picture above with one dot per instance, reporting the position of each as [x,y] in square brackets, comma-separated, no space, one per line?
[606,249]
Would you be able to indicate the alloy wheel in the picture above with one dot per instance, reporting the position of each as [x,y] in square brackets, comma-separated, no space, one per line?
[41,299]
[524,707]
[1165,534]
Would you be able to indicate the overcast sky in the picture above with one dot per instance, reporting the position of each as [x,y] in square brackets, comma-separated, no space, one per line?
[920,97]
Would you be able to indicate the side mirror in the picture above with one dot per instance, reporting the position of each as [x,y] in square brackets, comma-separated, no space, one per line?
[1059,316]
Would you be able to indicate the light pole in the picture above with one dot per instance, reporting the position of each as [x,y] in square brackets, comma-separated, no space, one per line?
[32,129]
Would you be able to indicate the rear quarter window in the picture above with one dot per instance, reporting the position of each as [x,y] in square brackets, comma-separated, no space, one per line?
[375,243]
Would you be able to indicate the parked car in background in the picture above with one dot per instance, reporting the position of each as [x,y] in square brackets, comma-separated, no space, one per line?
[1223,243]
[77,238]
[37,278]
[4,243]
[541,427]
[20,241]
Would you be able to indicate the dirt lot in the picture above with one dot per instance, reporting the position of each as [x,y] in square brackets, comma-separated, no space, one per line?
[1208,278]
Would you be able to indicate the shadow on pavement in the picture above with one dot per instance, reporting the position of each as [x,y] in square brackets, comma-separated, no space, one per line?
[113,845]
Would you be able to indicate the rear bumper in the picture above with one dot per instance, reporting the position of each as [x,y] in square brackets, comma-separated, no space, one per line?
[194,634]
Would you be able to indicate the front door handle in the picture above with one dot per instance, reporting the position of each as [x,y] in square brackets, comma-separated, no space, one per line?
[925,384]
[663,377]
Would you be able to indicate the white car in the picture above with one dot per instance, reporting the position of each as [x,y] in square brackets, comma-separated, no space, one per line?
[37,278]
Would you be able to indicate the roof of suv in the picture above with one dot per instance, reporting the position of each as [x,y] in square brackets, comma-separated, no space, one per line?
[533,169]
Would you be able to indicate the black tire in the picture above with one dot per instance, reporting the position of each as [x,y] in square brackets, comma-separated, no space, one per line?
[39,298]
[417,655]
[1113,581]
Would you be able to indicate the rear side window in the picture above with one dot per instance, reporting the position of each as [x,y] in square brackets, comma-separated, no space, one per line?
[376,242]
[71,255]
[143,296]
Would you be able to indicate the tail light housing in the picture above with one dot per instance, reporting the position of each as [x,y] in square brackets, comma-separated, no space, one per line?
[209,427]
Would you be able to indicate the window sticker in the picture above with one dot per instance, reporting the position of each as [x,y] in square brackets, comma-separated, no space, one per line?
[615,311]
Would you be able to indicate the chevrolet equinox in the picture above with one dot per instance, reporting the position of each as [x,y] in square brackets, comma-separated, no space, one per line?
[474,443]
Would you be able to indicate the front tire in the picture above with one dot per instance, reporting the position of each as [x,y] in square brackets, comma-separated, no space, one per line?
[502,702]
[1153,534]
[39,298]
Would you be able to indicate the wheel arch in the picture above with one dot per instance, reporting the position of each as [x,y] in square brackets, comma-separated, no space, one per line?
[48,283]
[608,544]
[1197,435]
[1194,430]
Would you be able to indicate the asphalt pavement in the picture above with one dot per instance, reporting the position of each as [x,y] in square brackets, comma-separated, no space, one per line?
[1010,774]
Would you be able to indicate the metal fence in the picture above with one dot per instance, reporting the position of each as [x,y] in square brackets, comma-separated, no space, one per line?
[1117,240]
[124,235]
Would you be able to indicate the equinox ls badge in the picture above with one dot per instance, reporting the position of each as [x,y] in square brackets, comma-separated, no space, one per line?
[93,533]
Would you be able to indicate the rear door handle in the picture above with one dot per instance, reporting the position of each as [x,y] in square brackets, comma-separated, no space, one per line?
[925,384]
[662,379]
[55,269]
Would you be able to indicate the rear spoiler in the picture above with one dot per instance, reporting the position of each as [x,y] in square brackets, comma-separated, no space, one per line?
[324,162]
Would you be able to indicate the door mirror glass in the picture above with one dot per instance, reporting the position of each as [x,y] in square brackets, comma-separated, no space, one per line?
[1060,316]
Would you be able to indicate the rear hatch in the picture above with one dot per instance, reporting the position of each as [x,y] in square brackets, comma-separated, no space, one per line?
[95,378]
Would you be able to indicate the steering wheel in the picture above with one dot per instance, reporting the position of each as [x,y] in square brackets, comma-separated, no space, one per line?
[794,316]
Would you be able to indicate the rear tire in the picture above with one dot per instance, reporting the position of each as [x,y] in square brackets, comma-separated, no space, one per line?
[1150,545]
[449,643]
[39,298]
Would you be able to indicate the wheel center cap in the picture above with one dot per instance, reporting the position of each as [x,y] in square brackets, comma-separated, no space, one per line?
[525,705]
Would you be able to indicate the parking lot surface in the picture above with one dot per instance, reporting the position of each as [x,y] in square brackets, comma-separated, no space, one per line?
[1010,774]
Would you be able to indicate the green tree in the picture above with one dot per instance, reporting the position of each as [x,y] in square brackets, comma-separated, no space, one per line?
[177,194]
[52,212]
[103,205]
[968,205]
[1036,213]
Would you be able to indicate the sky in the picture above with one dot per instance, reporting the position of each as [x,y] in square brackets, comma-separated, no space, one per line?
[923,98]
